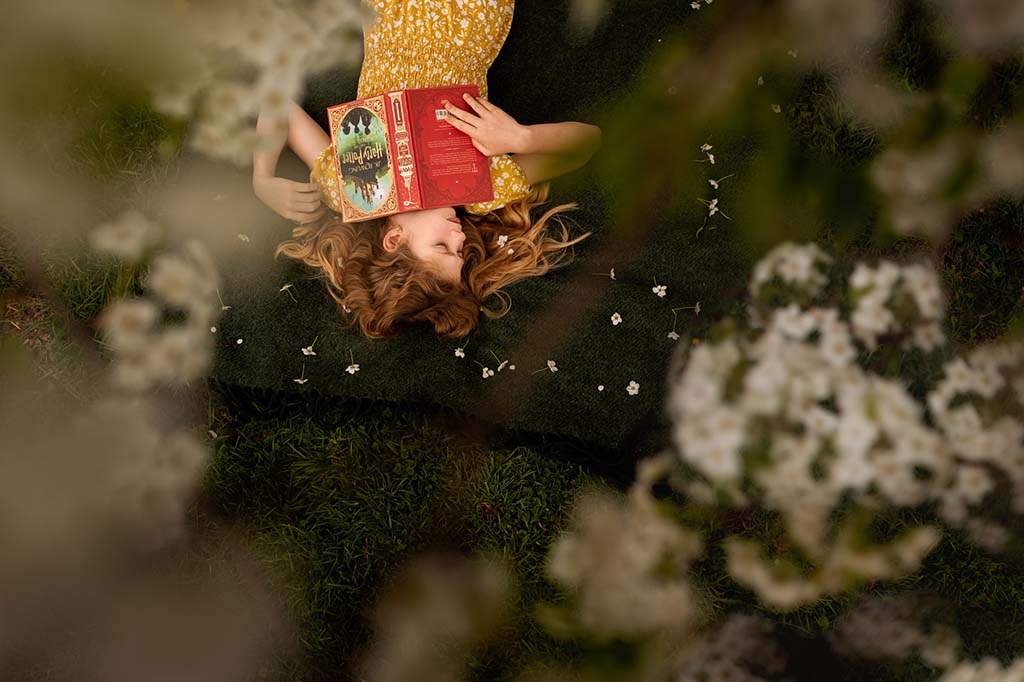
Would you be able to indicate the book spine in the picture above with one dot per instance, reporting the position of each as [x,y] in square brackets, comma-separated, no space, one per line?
[410,196]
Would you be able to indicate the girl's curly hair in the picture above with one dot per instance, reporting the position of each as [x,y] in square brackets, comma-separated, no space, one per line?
[383,291]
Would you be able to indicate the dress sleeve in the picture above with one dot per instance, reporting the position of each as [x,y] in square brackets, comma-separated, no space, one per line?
[509,183]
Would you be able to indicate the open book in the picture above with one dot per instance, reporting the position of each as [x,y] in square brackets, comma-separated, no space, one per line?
[396,152]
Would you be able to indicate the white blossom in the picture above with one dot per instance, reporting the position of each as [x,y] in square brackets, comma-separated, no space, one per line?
[128,322]
[128,236]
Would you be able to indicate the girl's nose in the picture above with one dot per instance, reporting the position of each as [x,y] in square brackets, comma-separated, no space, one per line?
[460,237]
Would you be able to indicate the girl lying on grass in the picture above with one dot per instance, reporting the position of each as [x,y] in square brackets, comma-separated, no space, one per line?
[436,265]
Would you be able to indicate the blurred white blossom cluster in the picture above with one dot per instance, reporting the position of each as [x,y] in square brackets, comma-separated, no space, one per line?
[780,415]
[252,59]
[148,353]
[785,417]
[978,407]
[891,300]
[148,474]
[741,649]
[927,184]
[985,27]
[897,627]
[925,188]
[627,565]
[985,670]
[436,611]
[928,187]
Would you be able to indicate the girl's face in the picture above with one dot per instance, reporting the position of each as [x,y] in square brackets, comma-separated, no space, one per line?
[434,236]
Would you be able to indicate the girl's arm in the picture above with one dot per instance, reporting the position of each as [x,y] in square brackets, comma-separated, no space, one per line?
[553,149]
[296,201]
[543,151]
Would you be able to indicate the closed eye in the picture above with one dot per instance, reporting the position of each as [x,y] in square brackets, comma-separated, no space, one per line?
[446,251]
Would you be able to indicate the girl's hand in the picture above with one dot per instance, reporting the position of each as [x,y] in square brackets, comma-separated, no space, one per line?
[492,130]
[295,201]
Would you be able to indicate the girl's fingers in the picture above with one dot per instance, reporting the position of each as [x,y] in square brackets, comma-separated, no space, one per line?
[455,113]
[305,216]
[476,104]
[305,203]
[458,124]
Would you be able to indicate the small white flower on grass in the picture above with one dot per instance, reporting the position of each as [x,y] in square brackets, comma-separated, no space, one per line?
[792,53]
[659,290]
[239,342]
[552,367]
[352,369]
[695,4]
[777,109]
[511,251]
[706,147]
[711,158]
[308,350]
[302,378]
[600,387]
[346,308]
[616,319]
[460,353]
[243,237]
[611,273]
[502,240]
[213,330]
[712,210]
[696,310]
[222,306]
[714,183]
[487,372]
[213,434]
[760,80]
[633,388]
[288,288]
[511,366]
[502,365]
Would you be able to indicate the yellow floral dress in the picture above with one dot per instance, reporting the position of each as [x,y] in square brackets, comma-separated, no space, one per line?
[428,43]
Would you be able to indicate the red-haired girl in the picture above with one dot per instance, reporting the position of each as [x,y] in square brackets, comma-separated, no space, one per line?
[436,265]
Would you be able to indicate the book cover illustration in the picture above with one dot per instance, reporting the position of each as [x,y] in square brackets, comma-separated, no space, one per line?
[396,152]
[363,159]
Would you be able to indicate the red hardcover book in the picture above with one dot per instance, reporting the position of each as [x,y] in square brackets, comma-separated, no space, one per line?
[396,152]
